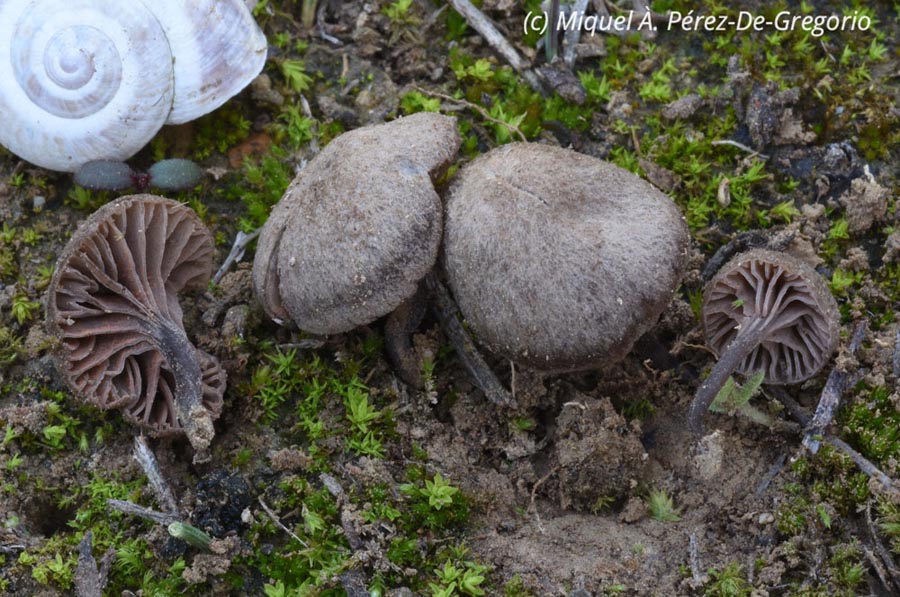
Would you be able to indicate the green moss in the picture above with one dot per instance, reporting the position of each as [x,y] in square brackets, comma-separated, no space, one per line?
[872,423]
[219,131]
[259,186]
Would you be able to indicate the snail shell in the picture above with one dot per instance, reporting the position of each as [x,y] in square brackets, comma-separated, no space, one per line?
[91,80]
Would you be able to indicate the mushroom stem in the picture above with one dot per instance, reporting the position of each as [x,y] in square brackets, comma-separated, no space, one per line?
[748,337]
[469,356]
[182,358]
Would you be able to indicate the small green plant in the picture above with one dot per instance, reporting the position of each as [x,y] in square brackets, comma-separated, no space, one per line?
[464,579]
[728,582]
[842,280]
[23,309]
[602,503]
[10,346]
[297,126]
[294,72]
[597,89]
[415,101]
[398,12]
[437,491]
[435,502]
[735,399]
[661,506]
[261,186]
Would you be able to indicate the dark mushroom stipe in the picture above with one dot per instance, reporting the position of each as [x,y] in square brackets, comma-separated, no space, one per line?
[765,311]
[113,303]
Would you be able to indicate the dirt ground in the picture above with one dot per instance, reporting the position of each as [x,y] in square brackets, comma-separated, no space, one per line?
[557,485]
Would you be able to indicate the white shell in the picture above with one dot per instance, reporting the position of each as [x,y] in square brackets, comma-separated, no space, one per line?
[218,50]
[84,80]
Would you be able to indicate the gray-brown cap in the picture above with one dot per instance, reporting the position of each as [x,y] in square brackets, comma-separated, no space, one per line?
[560,260]
[358,228]
[113,303]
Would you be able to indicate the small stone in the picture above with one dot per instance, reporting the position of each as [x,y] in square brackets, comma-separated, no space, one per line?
[813,211]
[38,203]
[710,455]
[892,247]
[261,91]
[634,510]
[255,144]
[765,518]
[683,107]
[865,203]
[290,460]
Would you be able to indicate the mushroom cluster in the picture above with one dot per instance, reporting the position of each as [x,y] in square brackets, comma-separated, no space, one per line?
[770,312]
[113,303]
[359,227]
[559,260]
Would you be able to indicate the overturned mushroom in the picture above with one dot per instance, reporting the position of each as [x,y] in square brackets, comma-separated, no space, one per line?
[770,312]
[358,228]
[113,303]
[559,260]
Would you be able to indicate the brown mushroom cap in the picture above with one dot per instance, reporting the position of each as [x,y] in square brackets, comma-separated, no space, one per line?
[358,228]
[793,302]
[557,259]
[113,303]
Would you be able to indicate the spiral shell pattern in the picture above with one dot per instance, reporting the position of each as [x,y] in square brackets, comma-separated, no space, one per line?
[90,80]
[86,80]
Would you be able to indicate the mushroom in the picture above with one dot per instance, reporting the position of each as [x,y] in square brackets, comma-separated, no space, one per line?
[358,228]
[113,304]
[559,260]
[770,312]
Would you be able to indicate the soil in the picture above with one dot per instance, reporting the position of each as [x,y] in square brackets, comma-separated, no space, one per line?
[557,483]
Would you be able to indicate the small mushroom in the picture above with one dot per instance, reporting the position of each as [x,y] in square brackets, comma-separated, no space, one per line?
[113,303]
[770,312]
[559,260]
[358,228]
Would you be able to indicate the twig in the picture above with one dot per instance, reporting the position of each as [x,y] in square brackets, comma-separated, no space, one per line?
[742,147]
[552,35]
[88,581]
[480,23]
[834,389]
[510,127]
[278,522]
[896,367]
[573,36]
[332,485]
[303,344]
[236,254]
[471,359]
[144,455]
[320,26]
[12,548]
[884,554]
[771,474]
[531,504]
[864,464]
[142,512]
[694,556]
[354,583]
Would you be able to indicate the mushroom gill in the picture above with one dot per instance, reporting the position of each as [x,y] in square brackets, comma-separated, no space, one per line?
[770,312]
[113,303]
